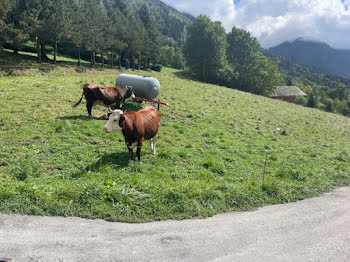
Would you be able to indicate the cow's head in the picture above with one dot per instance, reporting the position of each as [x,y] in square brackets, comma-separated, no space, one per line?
[112,124]
[129,92]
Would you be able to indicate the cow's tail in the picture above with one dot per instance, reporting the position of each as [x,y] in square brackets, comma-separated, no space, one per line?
[81,98]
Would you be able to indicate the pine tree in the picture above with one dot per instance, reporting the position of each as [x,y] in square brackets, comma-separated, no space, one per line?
[92,33]
[77,26]
[59,23]
[152,38]
[117,29]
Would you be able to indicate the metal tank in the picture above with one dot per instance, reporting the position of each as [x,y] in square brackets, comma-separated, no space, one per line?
[144,86]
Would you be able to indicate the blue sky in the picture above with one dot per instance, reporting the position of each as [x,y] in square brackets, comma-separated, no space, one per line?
[276,21]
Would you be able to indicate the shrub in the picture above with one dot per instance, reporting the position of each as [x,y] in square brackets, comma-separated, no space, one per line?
[157,67]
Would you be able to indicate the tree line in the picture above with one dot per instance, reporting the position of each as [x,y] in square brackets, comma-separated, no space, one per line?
[237,60]
[234,59]
[111,28]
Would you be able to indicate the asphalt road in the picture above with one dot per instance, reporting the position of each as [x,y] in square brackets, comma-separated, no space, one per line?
[316,229]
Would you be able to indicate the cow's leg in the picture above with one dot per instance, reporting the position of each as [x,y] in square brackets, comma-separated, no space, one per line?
[153,145]
[131,153]
[138,151]
[131,161]
[89,105]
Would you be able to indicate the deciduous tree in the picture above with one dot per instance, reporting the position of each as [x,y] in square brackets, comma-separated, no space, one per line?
[205,48]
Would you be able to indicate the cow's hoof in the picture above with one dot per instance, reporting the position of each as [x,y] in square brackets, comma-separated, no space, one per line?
[131,163]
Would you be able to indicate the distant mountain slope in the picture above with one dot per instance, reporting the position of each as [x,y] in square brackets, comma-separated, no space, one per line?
[315,54]
[172,21]
[307,74]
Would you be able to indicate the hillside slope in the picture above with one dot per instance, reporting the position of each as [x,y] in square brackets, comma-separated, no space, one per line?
[307,74]
[171,21]
[317,54]
[218,150]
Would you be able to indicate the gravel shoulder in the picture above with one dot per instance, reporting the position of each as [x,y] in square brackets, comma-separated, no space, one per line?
[315,229]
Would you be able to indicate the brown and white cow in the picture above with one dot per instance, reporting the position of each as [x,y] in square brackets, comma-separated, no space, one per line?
[97,94]
[136,126]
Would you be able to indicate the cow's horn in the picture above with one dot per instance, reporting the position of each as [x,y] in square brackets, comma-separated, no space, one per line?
[110,109]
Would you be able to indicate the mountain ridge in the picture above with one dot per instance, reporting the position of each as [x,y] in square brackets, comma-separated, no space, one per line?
[316,54]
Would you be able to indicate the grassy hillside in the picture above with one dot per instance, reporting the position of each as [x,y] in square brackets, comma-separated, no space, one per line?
[218,150]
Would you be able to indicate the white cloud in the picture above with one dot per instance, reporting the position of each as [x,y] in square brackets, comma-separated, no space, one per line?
[276,21]
[273,22]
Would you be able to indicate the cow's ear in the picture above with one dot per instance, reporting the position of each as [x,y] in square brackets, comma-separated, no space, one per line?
[109,113]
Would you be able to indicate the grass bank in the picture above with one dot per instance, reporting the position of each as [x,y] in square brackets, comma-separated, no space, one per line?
[218,150]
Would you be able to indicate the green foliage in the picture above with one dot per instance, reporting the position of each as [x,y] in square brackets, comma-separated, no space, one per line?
[130,31]
[151,42]
[327,92]
[171,57]
[244,68]
[205,48]
[157,67]
[255,73]
[10,28]
[170,21]
[312,100]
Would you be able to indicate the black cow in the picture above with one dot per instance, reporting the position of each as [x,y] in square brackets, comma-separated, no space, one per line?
[97,94]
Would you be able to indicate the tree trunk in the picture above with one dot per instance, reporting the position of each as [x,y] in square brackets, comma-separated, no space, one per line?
[126,59]
[148,63]
[55,52]
[112,60]
[139,61]
[120,59]
[103,60]
[134,63]
[92,62]
[38,50]
[43,52]
[78,55]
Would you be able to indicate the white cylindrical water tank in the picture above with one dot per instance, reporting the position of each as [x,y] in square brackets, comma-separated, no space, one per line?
[144,86]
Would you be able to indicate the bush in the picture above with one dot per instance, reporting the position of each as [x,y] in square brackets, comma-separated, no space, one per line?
[157,67]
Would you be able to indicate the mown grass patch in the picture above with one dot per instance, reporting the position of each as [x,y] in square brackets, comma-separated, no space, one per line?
[213,146]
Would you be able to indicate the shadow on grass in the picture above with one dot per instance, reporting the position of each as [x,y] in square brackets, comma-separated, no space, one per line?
[185,75]
[131,106]
[83,117]
[118,160]
[128,106]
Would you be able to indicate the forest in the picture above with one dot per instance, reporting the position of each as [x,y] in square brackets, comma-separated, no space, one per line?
[115,29]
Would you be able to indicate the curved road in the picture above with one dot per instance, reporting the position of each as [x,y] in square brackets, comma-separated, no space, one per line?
[316,229]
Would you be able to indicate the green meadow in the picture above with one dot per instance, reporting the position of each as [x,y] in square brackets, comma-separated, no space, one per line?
[218,150]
